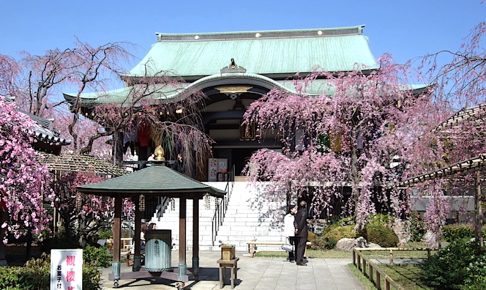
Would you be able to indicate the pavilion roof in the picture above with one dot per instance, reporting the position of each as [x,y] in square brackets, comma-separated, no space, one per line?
[272,53]
[154,180]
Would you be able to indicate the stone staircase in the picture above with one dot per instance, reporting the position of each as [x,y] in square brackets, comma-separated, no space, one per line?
[241,223]
[170,219]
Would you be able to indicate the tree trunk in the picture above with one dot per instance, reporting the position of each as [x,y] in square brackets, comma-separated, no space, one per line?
[3,259]
[478,212]
[117,150]
[354,171]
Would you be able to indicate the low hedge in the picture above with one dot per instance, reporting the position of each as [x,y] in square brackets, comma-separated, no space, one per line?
[330,238]
[378,230]
[381,235]
[35,275]
[454,232]
[457,266]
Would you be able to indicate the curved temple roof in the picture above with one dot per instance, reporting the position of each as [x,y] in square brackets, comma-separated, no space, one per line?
[269,59]
[174,92]
[270,53]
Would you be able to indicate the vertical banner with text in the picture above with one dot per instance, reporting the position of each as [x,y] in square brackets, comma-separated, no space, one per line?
[67,269]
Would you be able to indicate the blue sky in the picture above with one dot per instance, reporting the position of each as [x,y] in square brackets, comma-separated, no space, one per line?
[405,29]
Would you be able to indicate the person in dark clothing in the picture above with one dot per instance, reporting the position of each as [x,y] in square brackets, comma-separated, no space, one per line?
[300,224]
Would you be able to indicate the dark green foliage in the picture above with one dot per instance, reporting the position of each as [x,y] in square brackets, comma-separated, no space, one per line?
[97,256]
[9,277]
[378,231]
[453,265]
[105,234]
[417,227]
[455,232]
[381,235]
[476,274]
[35,275]
[333,234]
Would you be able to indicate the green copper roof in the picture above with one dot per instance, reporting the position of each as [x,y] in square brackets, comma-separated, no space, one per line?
[175,92]
[126,95]
[265,52]
[154,180]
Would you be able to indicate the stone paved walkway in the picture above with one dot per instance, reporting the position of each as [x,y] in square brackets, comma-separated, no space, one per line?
[259,273]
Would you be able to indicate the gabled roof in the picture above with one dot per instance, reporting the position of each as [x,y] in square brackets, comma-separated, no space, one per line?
[269,53]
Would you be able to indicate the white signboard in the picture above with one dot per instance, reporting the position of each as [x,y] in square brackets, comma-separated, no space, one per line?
[67,269]
[216,165]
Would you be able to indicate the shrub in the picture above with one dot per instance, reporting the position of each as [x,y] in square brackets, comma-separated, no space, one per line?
[330,238]
[417,227]
[455,232]
[380,219]
[105,234]
[97,256]
[381,235]
[448,269]
[476,274]
[378,230]
[35,275]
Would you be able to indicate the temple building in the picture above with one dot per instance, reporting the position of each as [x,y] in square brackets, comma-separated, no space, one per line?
[232,70]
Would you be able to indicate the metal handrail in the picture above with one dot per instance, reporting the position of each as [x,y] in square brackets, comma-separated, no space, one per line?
[222,207]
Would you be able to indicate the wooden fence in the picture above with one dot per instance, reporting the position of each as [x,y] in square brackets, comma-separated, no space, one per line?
[373,272]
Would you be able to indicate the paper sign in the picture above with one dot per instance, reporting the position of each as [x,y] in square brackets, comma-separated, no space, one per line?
[67,269]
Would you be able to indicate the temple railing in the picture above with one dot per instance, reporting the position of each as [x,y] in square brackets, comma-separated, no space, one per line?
[221,207]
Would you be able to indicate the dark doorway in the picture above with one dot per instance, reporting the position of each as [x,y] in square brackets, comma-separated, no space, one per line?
[240,157]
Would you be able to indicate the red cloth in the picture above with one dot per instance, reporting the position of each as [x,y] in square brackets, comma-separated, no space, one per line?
[144,136]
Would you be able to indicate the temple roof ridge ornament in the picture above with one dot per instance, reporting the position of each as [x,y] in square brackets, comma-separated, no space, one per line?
[233,68]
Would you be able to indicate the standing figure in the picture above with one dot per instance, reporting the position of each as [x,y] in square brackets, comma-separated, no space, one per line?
[300,224]
[289,230]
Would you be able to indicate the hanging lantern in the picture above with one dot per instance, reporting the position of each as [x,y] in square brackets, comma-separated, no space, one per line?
[141,203]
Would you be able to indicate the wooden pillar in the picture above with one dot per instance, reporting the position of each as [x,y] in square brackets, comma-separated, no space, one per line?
[117,239]
[137,258]
[3,218]
[478,211]
[182,237]
[195,237]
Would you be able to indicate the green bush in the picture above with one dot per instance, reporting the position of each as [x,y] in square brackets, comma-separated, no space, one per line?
[330,238]
[35,275]
[381,235]
[97,256]
[105,234]
[378,230]
[380,219]
[476,274]
[455,232]
[417,227]
[450,267]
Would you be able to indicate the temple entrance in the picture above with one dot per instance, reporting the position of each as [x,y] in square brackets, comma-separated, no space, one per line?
[235,141]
